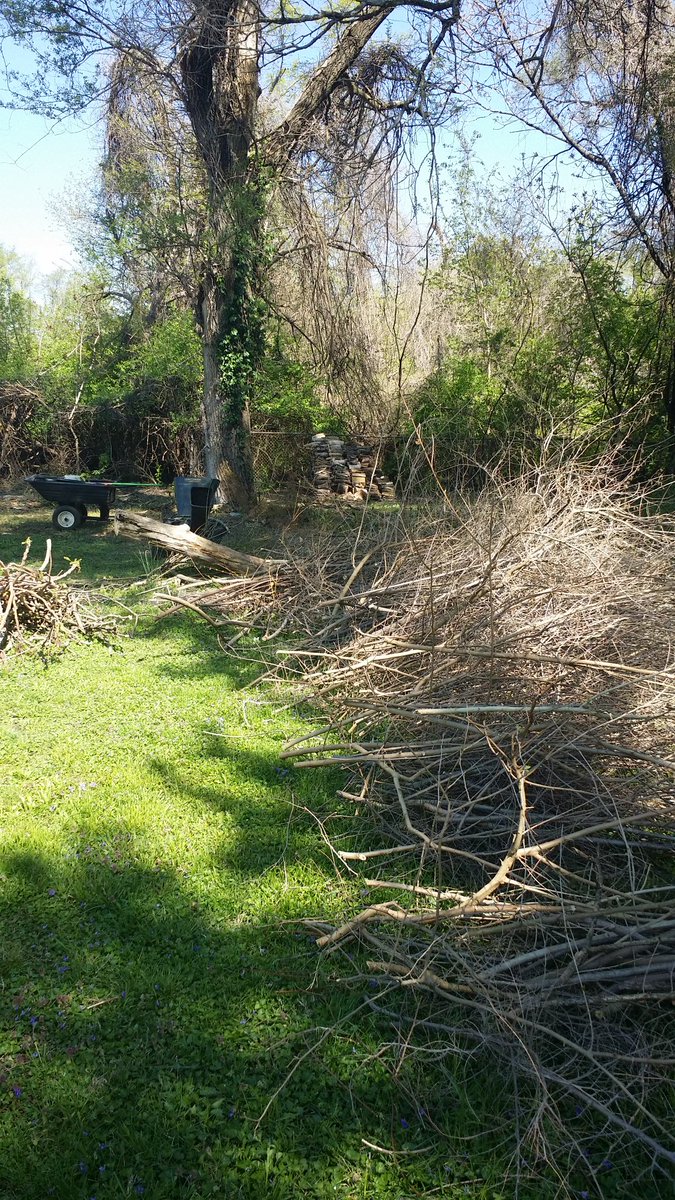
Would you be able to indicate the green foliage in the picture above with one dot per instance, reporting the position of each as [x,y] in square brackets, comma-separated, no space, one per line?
[162,371]
[458,404]
[110,387]
[244,320]
[551,345]
[17,322]
[286,395]
[81,341]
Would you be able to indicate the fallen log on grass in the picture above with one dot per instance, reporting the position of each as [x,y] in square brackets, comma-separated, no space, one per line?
[178,539]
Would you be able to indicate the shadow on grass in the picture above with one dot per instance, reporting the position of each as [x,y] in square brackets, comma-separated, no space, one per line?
[263,833]
[208,659]
[145,1035]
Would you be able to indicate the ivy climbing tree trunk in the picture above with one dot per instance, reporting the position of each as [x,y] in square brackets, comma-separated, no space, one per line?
[219,69]
[210,323]
[220,76]
[226,417]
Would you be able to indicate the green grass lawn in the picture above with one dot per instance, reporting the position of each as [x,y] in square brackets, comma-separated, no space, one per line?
[152,999]
[156,987]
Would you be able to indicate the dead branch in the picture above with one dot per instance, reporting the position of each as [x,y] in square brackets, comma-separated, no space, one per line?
[179,540]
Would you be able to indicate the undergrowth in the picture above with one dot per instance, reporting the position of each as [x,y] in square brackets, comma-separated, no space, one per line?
[167,1027]
[156,989]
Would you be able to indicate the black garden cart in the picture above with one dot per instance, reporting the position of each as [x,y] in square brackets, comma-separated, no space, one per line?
[73,498]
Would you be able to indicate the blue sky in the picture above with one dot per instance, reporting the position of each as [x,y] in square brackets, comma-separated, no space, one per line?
[43,165]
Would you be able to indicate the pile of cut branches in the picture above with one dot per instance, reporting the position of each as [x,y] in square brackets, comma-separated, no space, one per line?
[507,724]
[306,592]
[40,609]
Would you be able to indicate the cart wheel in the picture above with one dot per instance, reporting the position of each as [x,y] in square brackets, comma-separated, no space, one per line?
[83,510]
[67,516]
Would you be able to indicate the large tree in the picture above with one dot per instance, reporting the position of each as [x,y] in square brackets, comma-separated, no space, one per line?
[259,87]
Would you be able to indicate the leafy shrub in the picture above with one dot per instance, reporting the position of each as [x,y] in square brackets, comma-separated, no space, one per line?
[287,397]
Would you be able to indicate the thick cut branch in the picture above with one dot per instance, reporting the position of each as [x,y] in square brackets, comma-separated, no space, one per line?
[199,549]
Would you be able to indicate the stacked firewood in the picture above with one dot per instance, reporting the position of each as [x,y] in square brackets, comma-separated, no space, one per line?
[346,469]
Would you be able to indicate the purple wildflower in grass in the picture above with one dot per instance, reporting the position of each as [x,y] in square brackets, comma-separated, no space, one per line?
[18,1092]
[404,1123]
[34,1021]
[232,1113]
[83,1168]
[606,1165]
[52,891]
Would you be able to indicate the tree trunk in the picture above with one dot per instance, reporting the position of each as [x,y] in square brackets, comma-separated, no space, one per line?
[220,77]
[226,421]
[219,68]
[669,408]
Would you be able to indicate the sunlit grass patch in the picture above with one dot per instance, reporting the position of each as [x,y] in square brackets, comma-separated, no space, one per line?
[152,998]
[159,992]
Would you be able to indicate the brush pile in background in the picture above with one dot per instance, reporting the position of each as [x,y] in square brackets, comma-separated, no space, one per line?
[40,609]
[504,709]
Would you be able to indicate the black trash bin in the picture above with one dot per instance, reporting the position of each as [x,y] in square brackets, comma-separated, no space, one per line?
[194,499]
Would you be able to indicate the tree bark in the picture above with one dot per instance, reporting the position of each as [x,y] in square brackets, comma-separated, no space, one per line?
[228,454]
[220,75]
[669,409]
[198,549]
[219,69]
[286,137]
